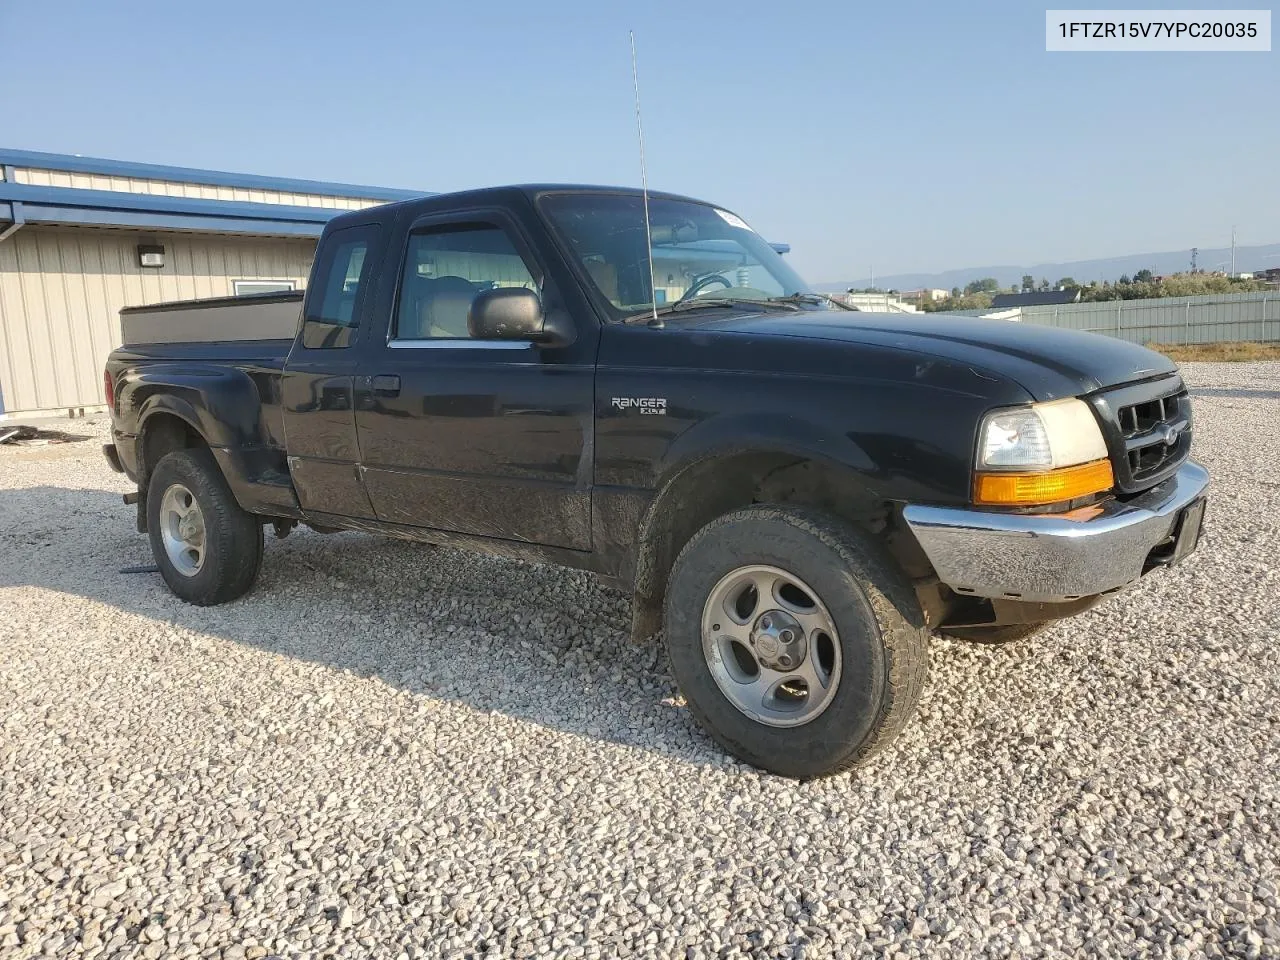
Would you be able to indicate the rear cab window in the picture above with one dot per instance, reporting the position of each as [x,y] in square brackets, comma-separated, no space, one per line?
[340,285]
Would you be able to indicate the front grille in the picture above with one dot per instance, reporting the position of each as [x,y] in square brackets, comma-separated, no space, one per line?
[1147,427]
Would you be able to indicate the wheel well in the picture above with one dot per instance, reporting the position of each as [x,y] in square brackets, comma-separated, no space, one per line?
[163,433]
[710,488]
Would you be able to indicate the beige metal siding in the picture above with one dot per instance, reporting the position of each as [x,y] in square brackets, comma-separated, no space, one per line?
[61,291]
[172,188]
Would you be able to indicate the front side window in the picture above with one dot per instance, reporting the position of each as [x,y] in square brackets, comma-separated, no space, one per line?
[445,268]
[699,251]
[341,279]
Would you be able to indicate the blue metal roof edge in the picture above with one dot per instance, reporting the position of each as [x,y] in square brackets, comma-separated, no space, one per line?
[218,178]
[169,222]
[120,200]
[70,205]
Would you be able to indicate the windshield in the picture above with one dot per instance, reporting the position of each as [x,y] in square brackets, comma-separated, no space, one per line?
[699,251]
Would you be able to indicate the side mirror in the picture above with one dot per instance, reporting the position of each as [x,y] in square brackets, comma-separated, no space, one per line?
[514,313]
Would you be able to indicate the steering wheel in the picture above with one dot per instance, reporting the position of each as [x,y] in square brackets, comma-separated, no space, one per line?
[701,283]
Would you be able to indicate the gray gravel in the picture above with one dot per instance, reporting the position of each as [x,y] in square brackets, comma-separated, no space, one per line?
[388,750]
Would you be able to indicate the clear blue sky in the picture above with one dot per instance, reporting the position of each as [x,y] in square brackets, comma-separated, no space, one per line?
[899,136]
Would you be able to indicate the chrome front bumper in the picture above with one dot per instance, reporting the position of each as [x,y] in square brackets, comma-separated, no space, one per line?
[1051,559]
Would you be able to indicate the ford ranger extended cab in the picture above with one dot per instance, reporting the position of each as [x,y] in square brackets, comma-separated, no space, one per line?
[794,493]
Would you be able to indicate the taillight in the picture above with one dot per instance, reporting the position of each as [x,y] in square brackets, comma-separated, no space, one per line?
[109,389]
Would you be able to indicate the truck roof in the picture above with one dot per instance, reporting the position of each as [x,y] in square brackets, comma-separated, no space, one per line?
[497,196]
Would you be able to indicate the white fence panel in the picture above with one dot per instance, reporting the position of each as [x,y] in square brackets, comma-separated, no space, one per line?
[1174,320]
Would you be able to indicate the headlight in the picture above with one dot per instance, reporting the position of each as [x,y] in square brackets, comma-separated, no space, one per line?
[1016,438]
[1043,435]
[1041,454]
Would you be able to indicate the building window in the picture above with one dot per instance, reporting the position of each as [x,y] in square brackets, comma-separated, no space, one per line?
[247,288]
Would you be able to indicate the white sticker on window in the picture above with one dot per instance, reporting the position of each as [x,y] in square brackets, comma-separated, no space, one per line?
[733,220]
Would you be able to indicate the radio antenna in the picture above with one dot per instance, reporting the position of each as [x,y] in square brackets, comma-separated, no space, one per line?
[656,321]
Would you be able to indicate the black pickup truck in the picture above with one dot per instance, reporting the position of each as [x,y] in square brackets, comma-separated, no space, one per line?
[798,492]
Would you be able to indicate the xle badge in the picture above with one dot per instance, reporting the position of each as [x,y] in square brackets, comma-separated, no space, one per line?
[652,406]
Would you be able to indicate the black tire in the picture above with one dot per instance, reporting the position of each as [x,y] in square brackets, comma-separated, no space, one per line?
[995,636]
[232,537]
[883,639]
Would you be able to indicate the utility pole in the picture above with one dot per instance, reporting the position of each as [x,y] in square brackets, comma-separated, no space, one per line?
[1233,250]
[1195,252]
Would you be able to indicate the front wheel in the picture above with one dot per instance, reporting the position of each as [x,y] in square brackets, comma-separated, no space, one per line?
[207,548]
[797,643]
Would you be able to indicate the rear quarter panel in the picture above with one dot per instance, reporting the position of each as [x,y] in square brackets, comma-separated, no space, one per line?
[228,392]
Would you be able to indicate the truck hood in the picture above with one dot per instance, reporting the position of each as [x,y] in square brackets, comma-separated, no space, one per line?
[1047,362]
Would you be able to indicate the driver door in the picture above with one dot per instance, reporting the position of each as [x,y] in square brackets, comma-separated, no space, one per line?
[483,437]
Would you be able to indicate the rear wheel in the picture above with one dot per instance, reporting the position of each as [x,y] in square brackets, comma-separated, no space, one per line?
[207,548]
[797,643]
[995,635]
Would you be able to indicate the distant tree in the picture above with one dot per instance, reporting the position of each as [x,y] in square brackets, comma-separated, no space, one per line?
[956,292]
[1177,285]
[1124,278]
[985,285]
[1143,276]
[1028,283]
[1068,283]
[962,301]
[1044,283]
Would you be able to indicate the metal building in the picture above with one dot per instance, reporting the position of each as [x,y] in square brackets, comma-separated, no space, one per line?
[82,237]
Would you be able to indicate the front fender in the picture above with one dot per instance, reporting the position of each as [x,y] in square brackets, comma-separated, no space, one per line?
[867,452]
[718,465]
[737,433]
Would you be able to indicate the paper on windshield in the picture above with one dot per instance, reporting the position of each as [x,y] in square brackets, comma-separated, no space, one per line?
[732,219]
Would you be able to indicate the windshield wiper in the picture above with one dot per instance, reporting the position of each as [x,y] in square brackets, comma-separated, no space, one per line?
[697,304]
[813,298]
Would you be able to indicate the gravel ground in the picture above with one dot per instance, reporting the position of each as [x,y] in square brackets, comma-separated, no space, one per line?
[389,750]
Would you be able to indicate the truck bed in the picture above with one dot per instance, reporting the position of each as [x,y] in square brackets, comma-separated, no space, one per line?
[254,353]
[262,317]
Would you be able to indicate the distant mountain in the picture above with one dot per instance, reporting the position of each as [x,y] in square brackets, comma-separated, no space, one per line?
[1111,268]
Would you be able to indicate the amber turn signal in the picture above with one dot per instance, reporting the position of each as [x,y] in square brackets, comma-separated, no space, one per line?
[1051,486]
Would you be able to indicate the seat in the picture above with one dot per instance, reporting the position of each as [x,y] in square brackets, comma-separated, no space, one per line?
[435,308]
[605,276]
[447,307]
[411,324]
